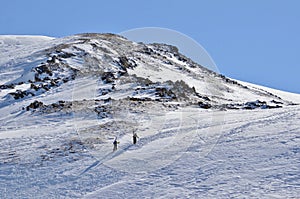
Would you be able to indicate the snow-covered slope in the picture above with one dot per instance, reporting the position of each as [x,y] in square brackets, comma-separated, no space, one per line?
[14,46]
[11,43]
[202,135]
[285,95]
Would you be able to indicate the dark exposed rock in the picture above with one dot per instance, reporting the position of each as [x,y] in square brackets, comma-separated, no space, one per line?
[181,58]
[43,68]
[50,108]
[127,63]
[181,90]
[231,106]
[8,86]
[104,91]
[272,107]
[165,48]
[107,100]
[18,94]
[247,106]
[34,105]
[167,62]
[276,102]
[66,55]
[259,104]
[140,99]
[255,104]
[204,105]
[52,59]
[147,51]
[102,111]
[35,87]
[108,77]
[163,92]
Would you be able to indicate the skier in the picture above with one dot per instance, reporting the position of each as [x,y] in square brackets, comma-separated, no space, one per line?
[115,143]
[135,136]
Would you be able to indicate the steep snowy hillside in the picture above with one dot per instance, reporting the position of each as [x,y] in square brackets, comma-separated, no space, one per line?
[201,135]
[123,69]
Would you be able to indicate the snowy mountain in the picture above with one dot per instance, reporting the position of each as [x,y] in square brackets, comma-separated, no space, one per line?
[202,135]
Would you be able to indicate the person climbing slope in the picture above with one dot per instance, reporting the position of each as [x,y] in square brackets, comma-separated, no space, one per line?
[115,143]
[135,137]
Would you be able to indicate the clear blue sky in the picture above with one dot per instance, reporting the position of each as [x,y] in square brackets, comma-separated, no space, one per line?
[253,40]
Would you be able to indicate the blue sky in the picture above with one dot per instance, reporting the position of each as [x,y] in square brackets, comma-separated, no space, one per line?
[251,40]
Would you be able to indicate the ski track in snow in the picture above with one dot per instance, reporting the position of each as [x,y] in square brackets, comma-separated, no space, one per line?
[249,159]
[240,172]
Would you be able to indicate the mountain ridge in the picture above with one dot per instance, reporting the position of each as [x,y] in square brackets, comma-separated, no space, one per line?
[112,56]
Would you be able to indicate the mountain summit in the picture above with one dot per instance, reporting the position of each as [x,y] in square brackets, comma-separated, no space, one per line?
[122,69]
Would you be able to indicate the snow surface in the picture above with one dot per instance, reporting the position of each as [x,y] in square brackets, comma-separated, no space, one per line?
[11,45]
[183,151]
[287,95]
[187,153]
